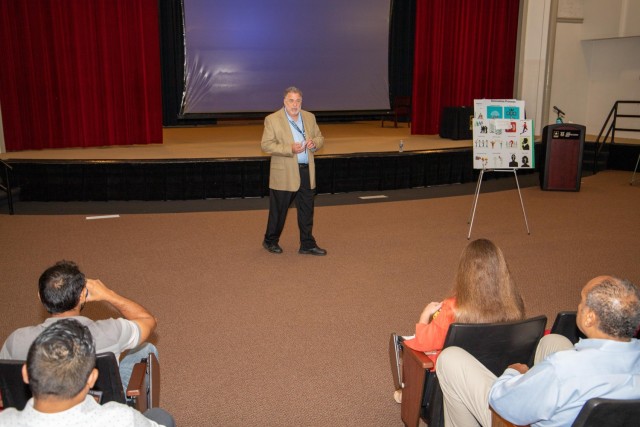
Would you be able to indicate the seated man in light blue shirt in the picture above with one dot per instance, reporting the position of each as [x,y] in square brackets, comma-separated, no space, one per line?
[551,393]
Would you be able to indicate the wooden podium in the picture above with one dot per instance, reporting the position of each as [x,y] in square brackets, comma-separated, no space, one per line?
[564,144]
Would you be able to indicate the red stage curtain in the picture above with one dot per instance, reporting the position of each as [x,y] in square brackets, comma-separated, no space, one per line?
[464,50]
[80,73]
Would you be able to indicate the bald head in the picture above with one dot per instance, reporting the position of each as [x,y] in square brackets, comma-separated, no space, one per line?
[611,307]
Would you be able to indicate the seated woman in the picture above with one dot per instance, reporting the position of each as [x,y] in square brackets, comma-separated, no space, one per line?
[484,292]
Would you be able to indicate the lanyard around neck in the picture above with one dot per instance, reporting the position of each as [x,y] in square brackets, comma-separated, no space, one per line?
[302,132]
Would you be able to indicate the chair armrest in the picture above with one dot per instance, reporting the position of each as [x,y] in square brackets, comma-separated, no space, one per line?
[137,387]
[420,358]
[498,421]
[154,381]
[415,365]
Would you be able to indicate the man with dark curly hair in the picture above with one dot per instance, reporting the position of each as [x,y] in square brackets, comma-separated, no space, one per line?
[564,376]
[64,290]
[60,371]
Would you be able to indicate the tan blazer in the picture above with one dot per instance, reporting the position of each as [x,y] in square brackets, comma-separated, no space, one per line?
[277,140]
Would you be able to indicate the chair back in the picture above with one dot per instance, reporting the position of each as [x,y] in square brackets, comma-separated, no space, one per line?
[402,105]
[498,345]
[600,412]
[495,345]
[15,393]
[401,108]
[565,325]
[109,385]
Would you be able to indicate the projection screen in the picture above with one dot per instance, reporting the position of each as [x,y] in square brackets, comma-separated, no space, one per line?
[241,54]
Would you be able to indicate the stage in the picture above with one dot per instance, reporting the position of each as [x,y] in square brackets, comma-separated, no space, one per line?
[225,161]
[241,139]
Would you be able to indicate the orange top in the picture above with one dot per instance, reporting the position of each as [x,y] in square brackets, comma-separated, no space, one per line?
[430,337]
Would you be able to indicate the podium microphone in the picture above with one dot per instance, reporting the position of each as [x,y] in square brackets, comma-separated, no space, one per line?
[557,110]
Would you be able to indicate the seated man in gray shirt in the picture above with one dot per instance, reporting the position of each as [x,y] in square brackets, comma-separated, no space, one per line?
[60,371]
[605,364]
[64,291]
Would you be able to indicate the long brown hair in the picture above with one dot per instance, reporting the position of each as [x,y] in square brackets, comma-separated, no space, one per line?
[484,289]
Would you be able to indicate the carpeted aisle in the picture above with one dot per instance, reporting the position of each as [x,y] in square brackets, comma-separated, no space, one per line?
[251,338]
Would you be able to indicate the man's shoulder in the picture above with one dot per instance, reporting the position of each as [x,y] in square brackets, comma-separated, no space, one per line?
[308,115]
[29,333]
[598,353]
[9,416]
[17,343]
[109,325]
[275,115]
[589,345]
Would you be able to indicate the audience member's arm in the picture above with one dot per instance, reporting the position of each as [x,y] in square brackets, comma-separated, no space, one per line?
[129,309]
[429,310]
[430,332]
[512,390]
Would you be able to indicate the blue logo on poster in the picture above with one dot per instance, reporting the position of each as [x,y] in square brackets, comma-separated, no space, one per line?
[511,112]
[494,112]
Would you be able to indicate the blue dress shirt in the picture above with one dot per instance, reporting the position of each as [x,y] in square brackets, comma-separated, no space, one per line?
[298,136]
[553,391]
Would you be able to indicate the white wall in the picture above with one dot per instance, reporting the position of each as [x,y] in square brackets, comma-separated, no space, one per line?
[614,74]
[596,62]
[569,90]
[592,59]
[530,82]
[611,18]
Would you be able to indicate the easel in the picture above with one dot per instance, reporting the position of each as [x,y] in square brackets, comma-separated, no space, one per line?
[477,194]
[633,177]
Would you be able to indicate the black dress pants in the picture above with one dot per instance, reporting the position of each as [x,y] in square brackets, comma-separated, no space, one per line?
[279,202]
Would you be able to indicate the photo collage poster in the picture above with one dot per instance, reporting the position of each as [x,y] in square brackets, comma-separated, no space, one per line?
[502,138]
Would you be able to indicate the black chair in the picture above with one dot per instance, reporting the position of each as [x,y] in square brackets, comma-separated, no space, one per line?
[565,324]
[600,412]
[143,391]
[14,391]
[496,345]
[401,107]
[108,387]
[596,412]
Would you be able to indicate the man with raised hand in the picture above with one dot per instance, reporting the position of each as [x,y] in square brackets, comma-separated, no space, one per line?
[64,290]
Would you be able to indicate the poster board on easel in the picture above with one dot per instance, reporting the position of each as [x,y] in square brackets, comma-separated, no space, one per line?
[502,142]
[502,138]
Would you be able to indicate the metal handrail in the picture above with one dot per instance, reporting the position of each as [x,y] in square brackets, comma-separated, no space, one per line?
[611,129]
[7,185]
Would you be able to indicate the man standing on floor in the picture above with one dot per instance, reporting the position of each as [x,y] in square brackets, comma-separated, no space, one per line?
[64,291]
[291,135]
[564,376]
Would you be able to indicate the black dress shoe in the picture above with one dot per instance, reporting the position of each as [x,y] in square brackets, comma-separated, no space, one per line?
[313,251]
[274,248]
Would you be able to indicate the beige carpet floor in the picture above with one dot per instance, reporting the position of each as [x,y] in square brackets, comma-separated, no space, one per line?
[251,338]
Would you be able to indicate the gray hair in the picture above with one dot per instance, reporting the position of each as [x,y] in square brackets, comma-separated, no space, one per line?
[616,302]
[292,89]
